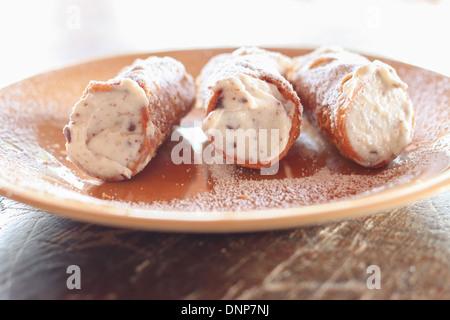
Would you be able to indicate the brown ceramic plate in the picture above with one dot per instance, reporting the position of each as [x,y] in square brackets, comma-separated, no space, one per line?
[313,183]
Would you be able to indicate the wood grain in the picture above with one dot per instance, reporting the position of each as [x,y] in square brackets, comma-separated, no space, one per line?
[328,261]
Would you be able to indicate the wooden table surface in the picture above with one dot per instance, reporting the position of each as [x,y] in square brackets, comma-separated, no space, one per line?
[410,245]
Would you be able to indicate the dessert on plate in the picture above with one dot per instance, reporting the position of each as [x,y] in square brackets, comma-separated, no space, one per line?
[252,113]
[117,126]
[362,107]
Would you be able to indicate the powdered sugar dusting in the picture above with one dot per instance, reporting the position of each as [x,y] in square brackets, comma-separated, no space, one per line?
[232,189]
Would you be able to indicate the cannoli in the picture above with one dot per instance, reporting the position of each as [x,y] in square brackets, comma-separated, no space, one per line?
[362,107]
[252,113]
[118,125]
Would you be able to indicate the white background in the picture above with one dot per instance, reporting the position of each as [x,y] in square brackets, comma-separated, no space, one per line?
[36,36]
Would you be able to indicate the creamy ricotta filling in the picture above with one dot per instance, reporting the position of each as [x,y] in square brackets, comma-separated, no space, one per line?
[251,120]
[106,129]
[380,118]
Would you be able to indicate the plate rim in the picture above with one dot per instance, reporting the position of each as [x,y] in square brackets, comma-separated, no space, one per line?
[279,218]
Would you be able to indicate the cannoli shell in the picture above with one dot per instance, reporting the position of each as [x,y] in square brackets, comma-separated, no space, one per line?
[260,65]
[170,91]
